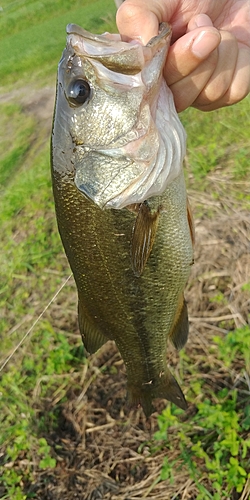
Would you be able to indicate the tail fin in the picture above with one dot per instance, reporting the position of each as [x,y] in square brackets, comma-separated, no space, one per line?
[165,387]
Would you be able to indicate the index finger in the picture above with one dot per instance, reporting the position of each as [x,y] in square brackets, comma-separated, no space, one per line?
[186,54]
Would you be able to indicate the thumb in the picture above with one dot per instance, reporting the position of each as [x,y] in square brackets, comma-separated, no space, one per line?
[138,21]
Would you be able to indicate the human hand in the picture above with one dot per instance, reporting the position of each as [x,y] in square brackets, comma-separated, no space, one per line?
[208,64]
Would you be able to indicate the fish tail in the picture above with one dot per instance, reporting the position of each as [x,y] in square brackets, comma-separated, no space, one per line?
[165,387]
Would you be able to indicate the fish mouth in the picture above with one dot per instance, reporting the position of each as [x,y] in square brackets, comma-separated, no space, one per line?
[124,57]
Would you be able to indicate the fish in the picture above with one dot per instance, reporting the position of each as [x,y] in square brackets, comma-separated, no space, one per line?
[117,150]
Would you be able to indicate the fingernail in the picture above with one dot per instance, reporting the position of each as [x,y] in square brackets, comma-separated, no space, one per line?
[205,43]
[202,20]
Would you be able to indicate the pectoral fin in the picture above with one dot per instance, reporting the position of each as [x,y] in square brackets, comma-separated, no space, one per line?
[92,338]
[190,222]
[143,237]
[179,333]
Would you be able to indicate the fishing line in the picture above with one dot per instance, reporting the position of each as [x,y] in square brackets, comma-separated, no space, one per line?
[35,323]
[21,3]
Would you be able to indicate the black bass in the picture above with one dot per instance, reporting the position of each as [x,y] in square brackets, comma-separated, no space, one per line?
[121,203]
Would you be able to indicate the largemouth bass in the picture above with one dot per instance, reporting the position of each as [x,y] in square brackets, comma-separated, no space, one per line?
[121,203]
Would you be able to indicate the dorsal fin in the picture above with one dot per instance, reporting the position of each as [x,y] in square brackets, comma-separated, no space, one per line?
[143,237]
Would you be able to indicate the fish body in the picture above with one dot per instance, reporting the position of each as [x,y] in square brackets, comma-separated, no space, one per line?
[121,204]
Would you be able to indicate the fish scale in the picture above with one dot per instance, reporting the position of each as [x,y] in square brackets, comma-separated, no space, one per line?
[131,263]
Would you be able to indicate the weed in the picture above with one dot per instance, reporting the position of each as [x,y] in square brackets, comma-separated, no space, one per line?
[213,442]
[236,343]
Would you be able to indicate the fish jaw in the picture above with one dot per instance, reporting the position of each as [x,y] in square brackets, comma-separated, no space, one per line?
[138,149]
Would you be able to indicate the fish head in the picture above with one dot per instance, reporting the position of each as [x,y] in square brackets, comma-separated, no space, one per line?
[105,129]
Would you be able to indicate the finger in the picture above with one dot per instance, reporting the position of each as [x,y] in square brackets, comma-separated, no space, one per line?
[199,21]
[216,89]
[187,53]
[187,89]
[239,87]
[139,19]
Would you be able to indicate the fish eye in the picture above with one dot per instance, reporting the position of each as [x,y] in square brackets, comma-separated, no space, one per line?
[78,92]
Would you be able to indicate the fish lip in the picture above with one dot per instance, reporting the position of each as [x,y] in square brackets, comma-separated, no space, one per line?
[75,29]
[165,31]
[106,40]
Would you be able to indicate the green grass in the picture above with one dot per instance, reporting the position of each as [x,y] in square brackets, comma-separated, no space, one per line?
[33,35]
[216,440]
[213,443]
[220,138]
[16,130]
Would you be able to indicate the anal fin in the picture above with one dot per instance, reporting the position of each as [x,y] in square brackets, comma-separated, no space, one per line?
[179,332]
[92,338]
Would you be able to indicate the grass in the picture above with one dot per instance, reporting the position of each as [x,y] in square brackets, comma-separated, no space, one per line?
[13,124]
[222,140]
[210,446]
[216,440]
[33,35]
